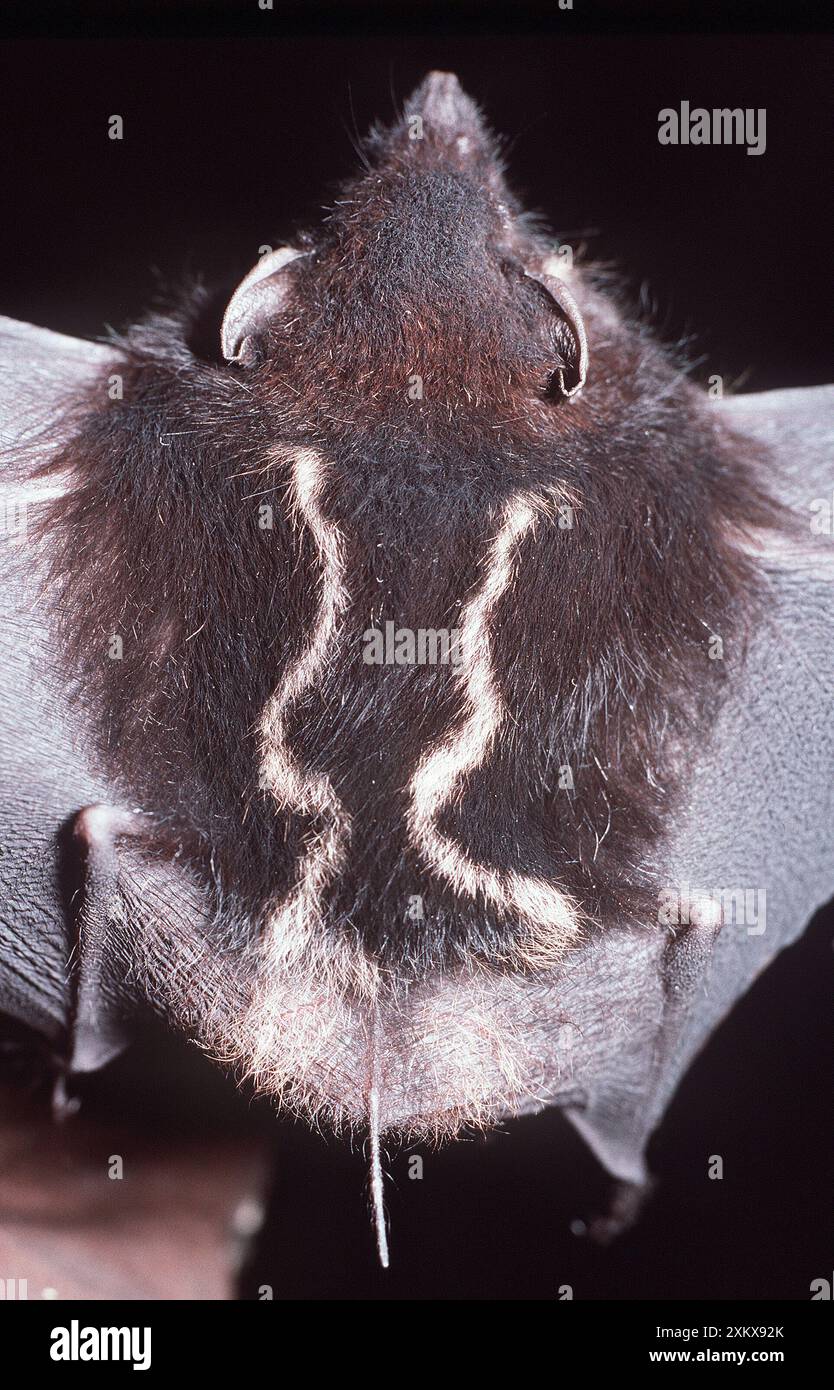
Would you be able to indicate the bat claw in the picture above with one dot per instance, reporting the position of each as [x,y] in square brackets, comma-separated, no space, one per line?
[64,1105]
[624,1211]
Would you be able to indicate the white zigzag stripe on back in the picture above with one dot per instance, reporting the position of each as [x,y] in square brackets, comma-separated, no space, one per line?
[537,903]
[292,787]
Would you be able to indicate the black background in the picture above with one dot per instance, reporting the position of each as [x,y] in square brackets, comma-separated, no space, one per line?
[237,123]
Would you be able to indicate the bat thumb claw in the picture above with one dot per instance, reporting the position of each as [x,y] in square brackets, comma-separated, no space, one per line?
[65,1105]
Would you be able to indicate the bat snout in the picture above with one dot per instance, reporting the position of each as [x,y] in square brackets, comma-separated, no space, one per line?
[441,100]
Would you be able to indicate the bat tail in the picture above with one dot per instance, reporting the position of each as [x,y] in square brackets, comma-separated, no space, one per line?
[376,1176]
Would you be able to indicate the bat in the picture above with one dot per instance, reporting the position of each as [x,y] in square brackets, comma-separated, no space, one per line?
[414,691]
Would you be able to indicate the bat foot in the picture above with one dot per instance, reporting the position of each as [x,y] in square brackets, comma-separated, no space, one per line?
[65,1105]
[625,1208]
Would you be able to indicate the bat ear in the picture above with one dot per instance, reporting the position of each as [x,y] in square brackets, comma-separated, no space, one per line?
[257,299]
[569,377]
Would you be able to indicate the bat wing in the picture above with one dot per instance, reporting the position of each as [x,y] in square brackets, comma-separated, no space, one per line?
[41,377]
[756,830]
[45,772]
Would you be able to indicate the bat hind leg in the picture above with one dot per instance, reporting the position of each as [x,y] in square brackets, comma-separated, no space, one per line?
[95,1030]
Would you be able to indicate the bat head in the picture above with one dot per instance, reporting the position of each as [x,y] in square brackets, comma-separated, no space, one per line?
[425,266]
